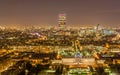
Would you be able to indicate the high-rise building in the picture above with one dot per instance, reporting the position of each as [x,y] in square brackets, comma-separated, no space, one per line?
[62,20]
[98,27]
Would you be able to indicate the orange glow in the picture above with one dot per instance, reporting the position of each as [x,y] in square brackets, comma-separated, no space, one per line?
[96,56]
[59,56]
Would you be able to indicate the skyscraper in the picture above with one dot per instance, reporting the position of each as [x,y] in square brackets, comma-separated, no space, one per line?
[62,20]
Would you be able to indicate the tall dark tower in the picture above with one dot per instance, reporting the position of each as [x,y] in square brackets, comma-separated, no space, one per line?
[62,20]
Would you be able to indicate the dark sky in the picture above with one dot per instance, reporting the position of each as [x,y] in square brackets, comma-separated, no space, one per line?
[45,12]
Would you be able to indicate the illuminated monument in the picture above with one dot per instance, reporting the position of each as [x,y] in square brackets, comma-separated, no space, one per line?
[62,20]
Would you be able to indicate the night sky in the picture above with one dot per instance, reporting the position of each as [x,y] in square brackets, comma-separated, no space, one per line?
[45,12]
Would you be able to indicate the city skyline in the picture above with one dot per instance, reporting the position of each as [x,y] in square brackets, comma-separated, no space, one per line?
[45,12]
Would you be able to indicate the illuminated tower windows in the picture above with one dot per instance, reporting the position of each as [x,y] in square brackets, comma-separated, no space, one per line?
[62,20]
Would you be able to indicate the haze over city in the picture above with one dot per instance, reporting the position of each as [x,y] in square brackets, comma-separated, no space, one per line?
[45,12]
[59,37]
